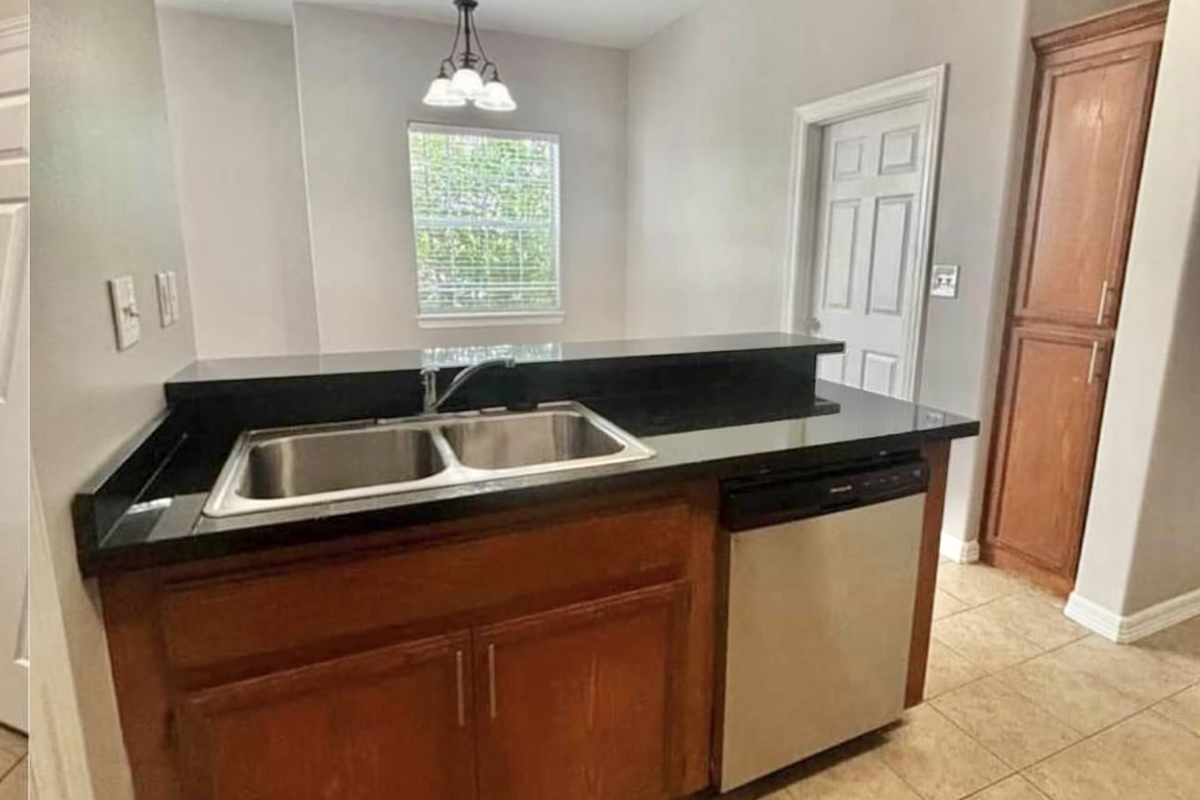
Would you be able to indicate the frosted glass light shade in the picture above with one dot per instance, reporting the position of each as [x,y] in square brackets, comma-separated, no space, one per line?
[467,83]
[440,94]
[496,97]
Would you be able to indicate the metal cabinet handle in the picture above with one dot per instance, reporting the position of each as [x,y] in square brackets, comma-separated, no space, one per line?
[492,680]
[1092,364]
[462,702]
[1103,303]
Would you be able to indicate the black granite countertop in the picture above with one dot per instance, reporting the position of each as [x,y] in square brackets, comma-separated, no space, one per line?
[146,509]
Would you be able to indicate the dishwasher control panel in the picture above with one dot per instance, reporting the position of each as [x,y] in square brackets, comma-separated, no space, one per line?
[773,499]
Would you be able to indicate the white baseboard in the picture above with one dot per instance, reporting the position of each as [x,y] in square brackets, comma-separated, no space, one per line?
[956,549]
[1123,629]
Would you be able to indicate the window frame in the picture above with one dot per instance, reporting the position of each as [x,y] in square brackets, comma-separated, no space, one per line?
[464,319]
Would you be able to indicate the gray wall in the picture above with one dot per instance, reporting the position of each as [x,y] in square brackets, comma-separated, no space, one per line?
[1142,543]
[104,206]
[361,78]
[235,130]
[711,100]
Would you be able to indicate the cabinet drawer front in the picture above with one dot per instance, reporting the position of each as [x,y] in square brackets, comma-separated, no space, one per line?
[387,723]
[216,621]
[584,702]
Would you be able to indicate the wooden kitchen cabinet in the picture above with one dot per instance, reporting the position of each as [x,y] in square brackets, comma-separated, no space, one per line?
[392,722]
[562,652]
[583,702]
[1047,444]
[1093,93]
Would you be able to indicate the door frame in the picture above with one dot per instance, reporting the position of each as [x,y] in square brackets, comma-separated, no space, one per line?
[809,123]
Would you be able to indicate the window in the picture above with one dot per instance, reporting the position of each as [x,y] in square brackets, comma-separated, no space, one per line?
[485,219]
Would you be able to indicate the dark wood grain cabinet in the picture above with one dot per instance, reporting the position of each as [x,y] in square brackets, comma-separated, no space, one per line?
[386,723]
[565,653]
[584,701]
[1093,92]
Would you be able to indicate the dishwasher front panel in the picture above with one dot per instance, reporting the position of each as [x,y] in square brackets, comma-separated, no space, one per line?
[819,627]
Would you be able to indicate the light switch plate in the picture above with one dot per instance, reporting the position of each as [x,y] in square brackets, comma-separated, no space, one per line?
[173,295]
[126,318]
[943,281]
[162,287]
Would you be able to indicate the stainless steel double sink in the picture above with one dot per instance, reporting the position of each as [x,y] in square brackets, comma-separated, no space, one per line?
[291,467]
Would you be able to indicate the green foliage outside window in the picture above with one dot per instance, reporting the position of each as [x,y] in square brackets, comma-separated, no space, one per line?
[485,211]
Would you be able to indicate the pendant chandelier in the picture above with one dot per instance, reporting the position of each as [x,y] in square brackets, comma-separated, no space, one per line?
[463,76]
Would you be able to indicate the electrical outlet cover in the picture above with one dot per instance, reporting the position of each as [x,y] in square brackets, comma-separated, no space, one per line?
[126,318]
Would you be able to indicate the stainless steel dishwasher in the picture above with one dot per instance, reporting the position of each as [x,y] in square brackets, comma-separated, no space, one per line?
[822,582]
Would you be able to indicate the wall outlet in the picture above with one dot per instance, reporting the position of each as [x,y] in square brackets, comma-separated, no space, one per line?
[162,287]
[126,318]
[943,281]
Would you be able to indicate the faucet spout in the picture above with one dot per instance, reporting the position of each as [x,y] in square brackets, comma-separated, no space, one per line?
[434,401]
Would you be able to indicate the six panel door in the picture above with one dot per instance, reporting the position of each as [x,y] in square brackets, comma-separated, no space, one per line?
[867,280]
[582,703]
[390,723]
[1047,443]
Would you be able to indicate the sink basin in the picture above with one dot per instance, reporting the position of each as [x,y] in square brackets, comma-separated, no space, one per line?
[525,440]
[293,467]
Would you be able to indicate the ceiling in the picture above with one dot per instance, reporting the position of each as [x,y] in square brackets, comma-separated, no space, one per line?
[612,23]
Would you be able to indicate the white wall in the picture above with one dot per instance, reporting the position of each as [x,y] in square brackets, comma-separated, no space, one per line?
[1142,542]
[235,129]
[104,205]
[711,100]
[361,78]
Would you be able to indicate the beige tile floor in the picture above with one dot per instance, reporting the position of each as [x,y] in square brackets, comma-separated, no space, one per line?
[1023,704]
[14,766]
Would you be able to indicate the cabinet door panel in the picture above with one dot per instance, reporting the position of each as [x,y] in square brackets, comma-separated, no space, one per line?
[394,722]
[1048,444]
[584,702]
[1093,116]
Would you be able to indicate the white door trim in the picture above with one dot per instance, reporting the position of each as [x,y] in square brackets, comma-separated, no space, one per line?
[809,120]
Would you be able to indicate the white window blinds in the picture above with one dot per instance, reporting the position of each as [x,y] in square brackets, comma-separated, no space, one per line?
[485,217]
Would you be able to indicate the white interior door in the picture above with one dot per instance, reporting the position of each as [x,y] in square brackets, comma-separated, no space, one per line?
[14,375]
[866,279]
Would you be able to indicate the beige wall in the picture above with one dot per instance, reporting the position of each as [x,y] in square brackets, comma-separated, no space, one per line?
[13,8]
[711,100]
[104,206]
[235,130]
[1047,15]
[362,77]
[1142,542]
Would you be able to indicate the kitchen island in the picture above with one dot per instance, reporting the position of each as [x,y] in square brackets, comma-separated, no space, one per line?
[553,635]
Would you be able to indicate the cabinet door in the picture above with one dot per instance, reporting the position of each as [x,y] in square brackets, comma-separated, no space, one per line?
[389,723]
[1047,444]
[583,702]
[1093,113]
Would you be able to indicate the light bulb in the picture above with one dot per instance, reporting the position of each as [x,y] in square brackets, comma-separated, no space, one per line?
[496,97]
[441,94]
[466,83]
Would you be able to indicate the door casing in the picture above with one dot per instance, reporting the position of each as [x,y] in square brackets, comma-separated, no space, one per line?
[809,121]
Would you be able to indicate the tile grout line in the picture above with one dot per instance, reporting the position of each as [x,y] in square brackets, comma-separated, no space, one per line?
[8,772]
[1148,709]
[975,741]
